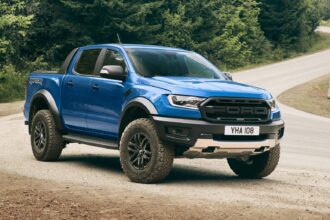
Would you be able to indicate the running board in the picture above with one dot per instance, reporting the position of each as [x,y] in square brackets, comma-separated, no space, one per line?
[94,141]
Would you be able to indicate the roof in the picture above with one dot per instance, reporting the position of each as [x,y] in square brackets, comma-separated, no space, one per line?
[128,46]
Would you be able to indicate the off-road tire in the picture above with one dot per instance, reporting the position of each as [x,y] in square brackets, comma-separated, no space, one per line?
[162,155]
[53,143]
[259,166]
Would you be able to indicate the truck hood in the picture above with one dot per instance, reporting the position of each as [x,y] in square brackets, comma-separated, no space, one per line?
[206,87]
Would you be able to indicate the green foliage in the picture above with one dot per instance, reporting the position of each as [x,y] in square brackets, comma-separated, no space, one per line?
[38,34]
[325,23]
[177,28]
[228,34]
[238,39]
[14,23]
[12,79]
[11,84]
[325,9]
[289,23]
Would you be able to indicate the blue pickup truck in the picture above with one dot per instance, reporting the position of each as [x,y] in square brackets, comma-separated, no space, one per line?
[153,104]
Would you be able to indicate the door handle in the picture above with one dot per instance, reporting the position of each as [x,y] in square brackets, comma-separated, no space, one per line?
[69,83]
[95,87]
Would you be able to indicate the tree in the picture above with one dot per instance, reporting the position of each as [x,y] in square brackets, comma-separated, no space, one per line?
[225,31]
[288,23]
[325,9]
[14,23]
[15,20]
[235,37]
[177,29]
[61,25]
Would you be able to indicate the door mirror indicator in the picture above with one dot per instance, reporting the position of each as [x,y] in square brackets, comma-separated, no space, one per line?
[113,72]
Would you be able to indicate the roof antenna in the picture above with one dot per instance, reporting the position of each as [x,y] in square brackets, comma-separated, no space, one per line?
[119,38]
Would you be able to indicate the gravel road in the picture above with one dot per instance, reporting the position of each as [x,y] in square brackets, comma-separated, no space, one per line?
[298,189]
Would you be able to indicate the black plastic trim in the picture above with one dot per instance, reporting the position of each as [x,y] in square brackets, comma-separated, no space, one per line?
[140,102]
[94,141]
[204,129]
[144,103]
[46,96]
[67,62]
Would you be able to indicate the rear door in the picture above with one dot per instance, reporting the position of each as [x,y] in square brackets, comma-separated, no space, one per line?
[107,98]
[77,89]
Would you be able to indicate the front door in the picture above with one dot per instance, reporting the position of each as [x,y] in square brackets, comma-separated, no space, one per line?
[107,98]
[77,90]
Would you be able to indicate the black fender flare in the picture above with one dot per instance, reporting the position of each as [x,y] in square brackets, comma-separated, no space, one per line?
[140,102]
[48,98]
[144,103]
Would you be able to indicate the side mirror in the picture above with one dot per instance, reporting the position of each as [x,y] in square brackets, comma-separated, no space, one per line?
[229,76]
[113,72]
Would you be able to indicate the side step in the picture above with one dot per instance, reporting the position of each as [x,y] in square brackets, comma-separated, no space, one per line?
[94,141]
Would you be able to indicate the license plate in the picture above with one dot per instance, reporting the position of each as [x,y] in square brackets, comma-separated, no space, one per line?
[242,130]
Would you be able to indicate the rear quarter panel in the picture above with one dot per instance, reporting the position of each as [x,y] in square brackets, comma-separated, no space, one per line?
[43,80]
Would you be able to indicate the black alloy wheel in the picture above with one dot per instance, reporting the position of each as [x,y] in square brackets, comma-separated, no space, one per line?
[143,156]
[40,136]
[139,151]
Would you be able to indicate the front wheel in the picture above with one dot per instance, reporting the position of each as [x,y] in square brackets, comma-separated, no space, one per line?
[258,166]
[143,157]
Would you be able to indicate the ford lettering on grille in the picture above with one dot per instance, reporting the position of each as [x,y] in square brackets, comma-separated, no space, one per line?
[235,110]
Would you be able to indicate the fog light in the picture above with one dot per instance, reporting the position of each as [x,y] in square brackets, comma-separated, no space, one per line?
[177,131]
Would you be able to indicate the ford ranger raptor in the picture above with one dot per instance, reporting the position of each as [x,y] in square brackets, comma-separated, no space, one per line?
[153,104]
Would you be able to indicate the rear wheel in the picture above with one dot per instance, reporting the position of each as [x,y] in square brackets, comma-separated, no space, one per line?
[258,166]
[46,141]
[144,158]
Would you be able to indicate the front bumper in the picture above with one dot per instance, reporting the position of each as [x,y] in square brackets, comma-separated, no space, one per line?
[207,140]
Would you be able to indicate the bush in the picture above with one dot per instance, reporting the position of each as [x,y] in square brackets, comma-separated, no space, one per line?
[12,84]
[13,80]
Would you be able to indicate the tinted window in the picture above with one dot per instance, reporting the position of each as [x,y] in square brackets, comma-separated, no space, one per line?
[113,58]
[159,62]
[87,61]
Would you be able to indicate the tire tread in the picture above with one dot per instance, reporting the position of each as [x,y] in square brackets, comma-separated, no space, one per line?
[165,155]
[267,162]
[55,142]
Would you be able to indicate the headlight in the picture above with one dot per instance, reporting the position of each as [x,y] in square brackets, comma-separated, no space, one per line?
[185,101]
[272,104]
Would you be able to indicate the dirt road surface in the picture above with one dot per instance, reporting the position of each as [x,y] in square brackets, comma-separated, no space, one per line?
[88,182]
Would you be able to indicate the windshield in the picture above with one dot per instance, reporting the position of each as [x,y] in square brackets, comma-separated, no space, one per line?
[161,62]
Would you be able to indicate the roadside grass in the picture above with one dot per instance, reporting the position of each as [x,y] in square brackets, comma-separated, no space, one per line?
[325,23]
[310,97]
[320,41]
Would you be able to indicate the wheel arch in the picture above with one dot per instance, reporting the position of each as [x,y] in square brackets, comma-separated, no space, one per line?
[44,100]
[137,108]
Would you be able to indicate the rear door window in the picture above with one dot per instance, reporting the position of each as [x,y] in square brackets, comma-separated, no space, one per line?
[87,61]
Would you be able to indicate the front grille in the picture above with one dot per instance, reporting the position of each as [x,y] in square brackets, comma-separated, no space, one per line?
[235,110]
